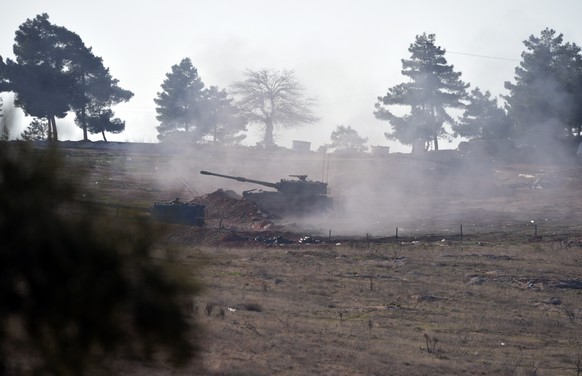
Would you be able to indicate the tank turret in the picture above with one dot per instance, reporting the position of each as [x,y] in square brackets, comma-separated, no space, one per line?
[297,196]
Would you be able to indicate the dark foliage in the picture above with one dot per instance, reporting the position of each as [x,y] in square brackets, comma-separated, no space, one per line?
[544,102]
[36,131]
[434,86]
[189,112]
[77,286]
[54,73]
[483,118]
[179,104]
[347,139]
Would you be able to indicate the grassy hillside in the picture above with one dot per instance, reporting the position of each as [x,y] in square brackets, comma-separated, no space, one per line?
[499,301]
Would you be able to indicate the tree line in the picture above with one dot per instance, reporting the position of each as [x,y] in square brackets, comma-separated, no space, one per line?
[189,112]
[543,107]
[54,73]
[71,299]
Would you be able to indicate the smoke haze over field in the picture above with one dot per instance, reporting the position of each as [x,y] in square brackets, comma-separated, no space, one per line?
[434,193]
[346,53]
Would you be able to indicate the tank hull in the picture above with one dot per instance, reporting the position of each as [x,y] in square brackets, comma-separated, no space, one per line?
[186,214]
[299,196]
[279,203]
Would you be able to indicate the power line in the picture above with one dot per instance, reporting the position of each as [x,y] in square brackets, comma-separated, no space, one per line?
[345,99]
[329,100]
[482,56]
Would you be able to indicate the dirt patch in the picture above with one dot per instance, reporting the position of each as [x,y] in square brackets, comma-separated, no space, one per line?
[224,210]
[219,204]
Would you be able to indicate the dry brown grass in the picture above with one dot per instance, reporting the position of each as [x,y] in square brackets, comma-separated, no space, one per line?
[486,305]
[485,309]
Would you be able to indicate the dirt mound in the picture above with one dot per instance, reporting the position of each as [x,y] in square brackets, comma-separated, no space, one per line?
[225,210]
[219,204]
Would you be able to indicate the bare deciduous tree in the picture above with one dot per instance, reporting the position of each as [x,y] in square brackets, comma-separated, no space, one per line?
[271,97]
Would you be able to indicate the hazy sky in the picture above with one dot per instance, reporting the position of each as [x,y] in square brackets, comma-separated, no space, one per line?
[345,53]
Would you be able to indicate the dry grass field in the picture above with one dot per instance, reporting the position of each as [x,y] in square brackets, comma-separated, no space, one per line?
[399,309]
[504,299]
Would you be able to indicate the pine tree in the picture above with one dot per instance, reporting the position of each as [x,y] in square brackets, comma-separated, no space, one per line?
[434,86]
[223,122]
[179,104]
[347,139]
[36,131]
[101,119]
[42,76]
[3,127]
[54,73]
[189,112]
[544,102]
[96,92]
[483,118]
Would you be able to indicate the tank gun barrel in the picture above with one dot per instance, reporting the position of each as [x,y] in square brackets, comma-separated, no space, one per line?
[241,179]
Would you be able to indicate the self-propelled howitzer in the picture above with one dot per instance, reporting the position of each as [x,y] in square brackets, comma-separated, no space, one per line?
[298,196]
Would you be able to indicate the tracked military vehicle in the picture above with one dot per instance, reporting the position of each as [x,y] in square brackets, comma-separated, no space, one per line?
[176,211]
[291,196]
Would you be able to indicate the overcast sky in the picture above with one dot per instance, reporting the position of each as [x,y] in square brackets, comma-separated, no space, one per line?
[345,53]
